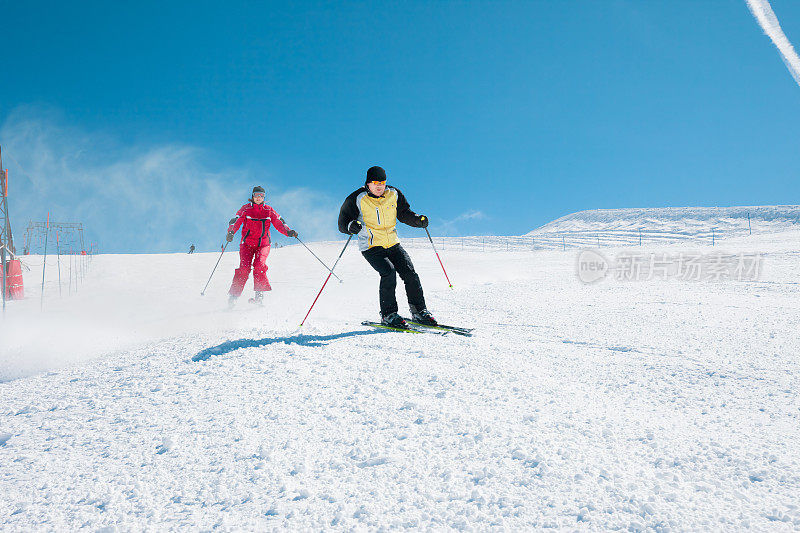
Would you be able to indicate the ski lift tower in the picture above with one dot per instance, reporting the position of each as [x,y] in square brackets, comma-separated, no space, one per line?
[7,250]
[6,238]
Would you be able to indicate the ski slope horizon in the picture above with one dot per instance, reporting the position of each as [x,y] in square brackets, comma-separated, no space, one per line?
[662,225]
[662,404]
[738,220]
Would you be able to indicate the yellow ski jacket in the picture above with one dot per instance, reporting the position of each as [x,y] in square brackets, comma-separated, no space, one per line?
[378,216]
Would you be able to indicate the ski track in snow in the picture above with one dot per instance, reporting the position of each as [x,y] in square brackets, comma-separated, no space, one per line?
[661,405]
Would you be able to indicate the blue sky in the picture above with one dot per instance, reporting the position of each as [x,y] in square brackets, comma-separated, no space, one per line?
[151,122]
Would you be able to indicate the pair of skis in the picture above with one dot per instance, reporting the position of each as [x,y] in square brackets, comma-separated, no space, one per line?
[416,327]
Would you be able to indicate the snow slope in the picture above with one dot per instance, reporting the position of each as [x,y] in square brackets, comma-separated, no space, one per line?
[666,225]
[665,405]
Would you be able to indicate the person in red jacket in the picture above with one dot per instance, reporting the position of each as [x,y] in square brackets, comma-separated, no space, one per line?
[255,218]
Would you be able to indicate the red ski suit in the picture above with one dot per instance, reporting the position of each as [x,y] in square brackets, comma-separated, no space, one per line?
[255,220]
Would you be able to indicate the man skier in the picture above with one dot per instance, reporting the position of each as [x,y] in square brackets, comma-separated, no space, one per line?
[255,218]
[372,212]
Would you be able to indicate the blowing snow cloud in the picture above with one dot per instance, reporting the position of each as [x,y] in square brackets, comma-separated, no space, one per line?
[137,198]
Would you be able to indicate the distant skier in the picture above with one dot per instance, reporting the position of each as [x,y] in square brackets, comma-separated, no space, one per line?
[372,212]
[255,218]
[191,249]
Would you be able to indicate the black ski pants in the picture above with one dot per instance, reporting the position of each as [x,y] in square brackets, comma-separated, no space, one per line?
[388,261]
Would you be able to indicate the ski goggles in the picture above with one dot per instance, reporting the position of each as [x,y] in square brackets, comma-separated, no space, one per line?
[378,182]
[258,195]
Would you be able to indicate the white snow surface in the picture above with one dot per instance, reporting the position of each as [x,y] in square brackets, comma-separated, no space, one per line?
[659,405]
[665,225]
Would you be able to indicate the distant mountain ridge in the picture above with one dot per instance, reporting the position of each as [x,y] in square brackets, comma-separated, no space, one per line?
[678,220]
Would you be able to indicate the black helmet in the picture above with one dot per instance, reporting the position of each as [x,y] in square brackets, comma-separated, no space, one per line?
[375,174]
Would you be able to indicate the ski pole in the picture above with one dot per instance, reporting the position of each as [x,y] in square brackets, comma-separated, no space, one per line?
[439,258]
[318,259]
[326,280]
[58,251]
[203,293]
[44,263]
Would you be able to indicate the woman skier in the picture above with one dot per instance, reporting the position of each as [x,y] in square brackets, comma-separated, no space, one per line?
[255,218]
[372,212]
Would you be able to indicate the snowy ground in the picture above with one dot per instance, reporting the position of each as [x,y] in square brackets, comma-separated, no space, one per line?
[663,224]
[666,405]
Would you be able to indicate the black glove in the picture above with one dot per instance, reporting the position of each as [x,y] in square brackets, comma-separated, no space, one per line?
[229,236]
[292,233]
[422,221]
[354,227]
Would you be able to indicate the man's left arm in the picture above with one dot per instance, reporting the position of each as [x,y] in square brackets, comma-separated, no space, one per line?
[406,215]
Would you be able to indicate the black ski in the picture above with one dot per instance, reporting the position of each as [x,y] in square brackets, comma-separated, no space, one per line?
[409,329]
[457,330]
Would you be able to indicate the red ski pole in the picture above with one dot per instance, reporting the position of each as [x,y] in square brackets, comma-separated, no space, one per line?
[439,258]
[326,281]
